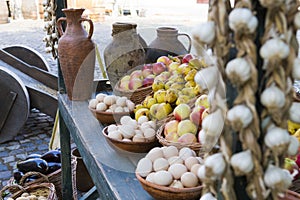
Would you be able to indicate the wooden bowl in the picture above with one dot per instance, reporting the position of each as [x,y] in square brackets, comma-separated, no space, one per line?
[135,147]
[109,117]
[168,193]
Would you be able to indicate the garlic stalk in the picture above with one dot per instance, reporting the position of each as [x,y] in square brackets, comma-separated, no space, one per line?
[242,19]
[297,20]
[272,98]
[294,112]
[277,139]
[274,48]
[296,69]
[242,163]
[276,178]
[214,165]
[271,3]
[238,71]
[240,116]
[207,78]
[293,146]
[208,196]
[204,33]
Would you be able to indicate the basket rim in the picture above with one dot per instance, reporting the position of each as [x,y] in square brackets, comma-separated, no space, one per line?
[109,113]
[166,188]
[117,88]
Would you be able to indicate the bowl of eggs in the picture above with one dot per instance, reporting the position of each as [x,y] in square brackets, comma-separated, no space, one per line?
[109,109]
[167,173]
[131,135]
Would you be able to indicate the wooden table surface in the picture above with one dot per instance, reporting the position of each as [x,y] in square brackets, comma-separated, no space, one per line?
[112,170]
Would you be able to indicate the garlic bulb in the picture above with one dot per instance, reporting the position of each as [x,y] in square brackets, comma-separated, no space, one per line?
[208,196]
[213,123]
[276,178]
[242,19]
[205,32]
[293,146]
[297,20]
[240,116]
[214,165]
[274,48]
[207,78]
[238,71]
[277,139]
[296,69]
[294,112]
[242,163]
[272,97]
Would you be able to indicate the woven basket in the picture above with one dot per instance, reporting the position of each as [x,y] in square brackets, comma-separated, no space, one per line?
[41,189]
[54,177]
[290,195]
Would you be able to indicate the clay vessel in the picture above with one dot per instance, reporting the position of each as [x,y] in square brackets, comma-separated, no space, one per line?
[125,52]
[76,52]
[167,42]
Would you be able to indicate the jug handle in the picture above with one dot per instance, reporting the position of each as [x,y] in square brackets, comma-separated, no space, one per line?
[189,38]
[59,26]
[91,29]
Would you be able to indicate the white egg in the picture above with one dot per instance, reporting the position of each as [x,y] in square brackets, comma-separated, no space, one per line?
[185,152]
[101,106]
[150,177]
[154,153]
[195,168]
[130,105]
[188,179]
[119,109]
[109,100]
[144,167]
[127,131]
[170,151]
[163,178]
[115,135]
[160,164]
[133,123]
[145,126]
[125,119]
[138,138]
[142,119]
[113,107]
[100,97]
[175,159]
[126,140]
[190,161]
[149,134]
[112,127]
[176,184]
[177,170]
[121,101]
[152,124]
[138,131]
[93,103]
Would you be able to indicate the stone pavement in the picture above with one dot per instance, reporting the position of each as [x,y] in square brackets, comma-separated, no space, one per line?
[35,135]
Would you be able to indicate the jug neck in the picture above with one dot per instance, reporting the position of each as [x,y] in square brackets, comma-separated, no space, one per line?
[167,32]
[73,14]
[120,27]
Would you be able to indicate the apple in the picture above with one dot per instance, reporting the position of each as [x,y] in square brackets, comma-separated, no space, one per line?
[159,67]
[170,126]
[202,101]
[205,113]
[147,81]
[136,74]
[298,160]
[186,126]
[147,72]
[164,59]
[182,111]
[172,137]
[173,66]
[196,115]
[135,83]
[124,82]
[291,166]
[186,58]
[188,138]
[147,66]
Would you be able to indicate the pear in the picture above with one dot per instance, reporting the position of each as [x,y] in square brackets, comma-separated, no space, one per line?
[171,95]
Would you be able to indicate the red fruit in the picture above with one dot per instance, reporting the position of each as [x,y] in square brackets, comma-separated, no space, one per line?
[186,58]
[148,81]
[159,68]
[298,160]
[196,115]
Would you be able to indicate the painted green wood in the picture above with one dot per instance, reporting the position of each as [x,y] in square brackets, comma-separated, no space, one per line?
[112,170]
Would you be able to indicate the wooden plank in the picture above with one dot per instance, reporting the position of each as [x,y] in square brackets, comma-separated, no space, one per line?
[112,171]
[42,76]
[28,55]
[6,105]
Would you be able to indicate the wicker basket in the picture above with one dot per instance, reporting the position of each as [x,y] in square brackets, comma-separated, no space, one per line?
[109,117]
[54,178]
[41,189]
[290,195]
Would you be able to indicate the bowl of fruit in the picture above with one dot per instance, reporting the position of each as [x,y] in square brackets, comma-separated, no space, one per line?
[108,109]
[167,173]
[131,135]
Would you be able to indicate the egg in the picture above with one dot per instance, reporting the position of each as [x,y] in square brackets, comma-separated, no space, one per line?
[121,101]
[144,127]
[119,109]
[115,135]
[177,170]
[130,105]
[152,124]
[160,164]
[154,153]
[138,138]
[101,106]
[170,151]
[133,123]
[137,131]
[142,119]
[175,159]
[124,119]
[176,184]
[149,134]
[112,127]
[113,107]
[150,177]
[195,168]
[163,178]
[100,97]
[127,131]
[109,100]
[93,103]
[189,179]
[144,167]
[186,152]
[190,161]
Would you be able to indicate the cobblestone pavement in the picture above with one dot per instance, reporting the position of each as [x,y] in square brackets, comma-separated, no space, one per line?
[35,135]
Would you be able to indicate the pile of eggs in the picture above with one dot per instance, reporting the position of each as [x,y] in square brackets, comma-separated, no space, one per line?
[27,196]
[111,103]
[129,129]
[168,166]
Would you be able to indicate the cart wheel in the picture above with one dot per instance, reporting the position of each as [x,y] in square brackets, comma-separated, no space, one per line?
[28,55]
[14,105]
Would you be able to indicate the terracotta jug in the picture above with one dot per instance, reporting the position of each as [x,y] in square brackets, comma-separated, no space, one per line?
[167,42]
[76,52]
[125,52]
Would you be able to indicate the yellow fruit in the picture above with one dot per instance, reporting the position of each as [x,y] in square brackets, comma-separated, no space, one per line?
[160,111]
[189,91]
[157,85]
[177,85]
[190,75]
[137,107]
[182,99]
[171,95]
[141,112]
[297,134]
[160,95]
[190,84]
[150,102]
[293,127]
[168,84]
